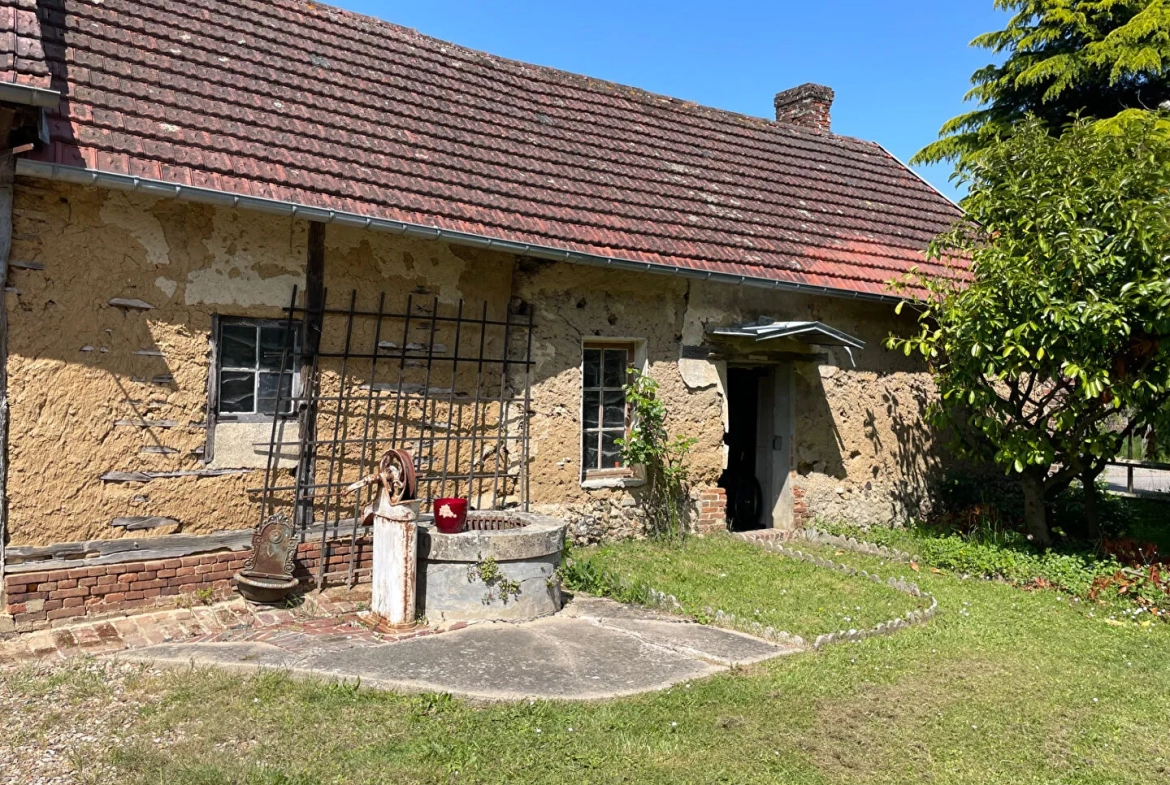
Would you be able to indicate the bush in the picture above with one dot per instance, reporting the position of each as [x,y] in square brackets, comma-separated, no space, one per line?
[1008,556]
[662,457]
[989,508]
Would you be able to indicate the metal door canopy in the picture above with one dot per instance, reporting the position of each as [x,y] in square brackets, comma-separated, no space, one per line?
[816,333]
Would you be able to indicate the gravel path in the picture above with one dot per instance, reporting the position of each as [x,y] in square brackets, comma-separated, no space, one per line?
[59,720]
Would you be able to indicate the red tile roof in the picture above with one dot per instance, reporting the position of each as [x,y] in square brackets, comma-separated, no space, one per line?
[300,102]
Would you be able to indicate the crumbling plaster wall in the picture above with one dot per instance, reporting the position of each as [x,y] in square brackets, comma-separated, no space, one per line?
[574,304]
[79,364]
[96,387]
[863,450]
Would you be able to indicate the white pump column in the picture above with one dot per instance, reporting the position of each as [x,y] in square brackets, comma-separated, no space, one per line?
[395,563]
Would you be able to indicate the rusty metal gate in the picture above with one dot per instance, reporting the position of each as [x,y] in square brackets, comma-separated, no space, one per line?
[450,382]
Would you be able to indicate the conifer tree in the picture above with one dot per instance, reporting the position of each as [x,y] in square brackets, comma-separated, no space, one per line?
[1093,59]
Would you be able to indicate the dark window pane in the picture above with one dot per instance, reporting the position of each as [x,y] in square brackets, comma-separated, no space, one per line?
[611,454]
[236,392]
[615,410]
[237,346]
[267,399]
[592,409]
[589,450]
[615,367]
[272,348]
[592,368]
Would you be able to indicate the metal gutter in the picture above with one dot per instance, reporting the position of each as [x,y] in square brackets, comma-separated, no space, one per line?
[13,93]
[158,188]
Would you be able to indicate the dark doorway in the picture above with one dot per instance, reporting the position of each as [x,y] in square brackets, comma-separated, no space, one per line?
[745,498]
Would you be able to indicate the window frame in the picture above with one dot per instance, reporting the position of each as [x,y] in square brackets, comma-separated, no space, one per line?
[219,322]
[630,347]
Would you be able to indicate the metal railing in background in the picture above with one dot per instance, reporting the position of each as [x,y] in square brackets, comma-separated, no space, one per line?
[1138,478]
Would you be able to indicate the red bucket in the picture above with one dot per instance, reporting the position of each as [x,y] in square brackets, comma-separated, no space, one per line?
[450,515]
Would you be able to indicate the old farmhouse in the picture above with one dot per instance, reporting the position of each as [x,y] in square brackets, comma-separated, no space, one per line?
[248,245]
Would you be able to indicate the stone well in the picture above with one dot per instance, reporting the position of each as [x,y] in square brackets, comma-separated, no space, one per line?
[527,549]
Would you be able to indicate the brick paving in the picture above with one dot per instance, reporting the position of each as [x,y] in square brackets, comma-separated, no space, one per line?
[320,622]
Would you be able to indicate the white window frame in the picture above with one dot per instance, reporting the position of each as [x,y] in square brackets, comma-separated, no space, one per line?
[616,477]
[218,368]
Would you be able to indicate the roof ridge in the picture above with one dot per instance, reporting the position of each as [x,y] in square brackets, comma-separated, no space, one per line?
[592,83]
[882,177]
[332,110]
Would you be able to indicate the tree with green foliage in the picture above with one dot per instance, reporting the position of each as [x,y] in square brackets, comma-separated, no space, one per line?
[1058,320]
[1062,59]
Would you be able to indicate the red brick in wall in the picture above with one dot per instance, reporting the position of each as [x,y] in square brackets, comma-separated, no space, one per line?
[800,516]
[39,598]
[712,510]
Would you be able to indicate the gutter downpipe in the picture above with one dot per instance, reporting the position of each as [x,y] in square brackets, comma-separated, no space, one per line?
[76,175]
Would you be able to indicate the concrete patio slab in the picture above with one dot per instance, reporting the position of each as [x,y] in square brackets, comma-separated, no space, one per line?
[596,649]
[695,640]
[552,658]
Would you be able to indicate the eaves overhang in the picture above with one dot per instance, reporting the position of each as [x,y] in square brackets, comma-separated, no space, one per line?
[159,188]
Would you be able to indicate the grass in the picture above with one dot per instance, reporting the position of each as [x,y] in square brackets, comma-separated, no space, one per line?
[1005,686]
[736,577]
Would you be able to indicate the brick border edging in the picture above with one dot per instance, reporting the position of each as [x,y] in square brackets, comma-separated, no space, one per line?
[910,618]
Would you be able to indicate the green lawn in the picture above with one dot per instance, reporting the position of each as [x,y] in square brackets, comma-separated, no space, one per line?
[1005,686]
[735,577]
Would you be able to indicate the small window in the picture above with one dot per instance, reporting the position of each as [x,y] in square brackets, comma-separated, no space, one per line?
[250,353]
[603,413]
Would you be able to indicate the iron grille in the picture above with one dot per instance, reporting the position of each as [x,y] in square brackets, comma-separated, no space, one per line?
[451,382]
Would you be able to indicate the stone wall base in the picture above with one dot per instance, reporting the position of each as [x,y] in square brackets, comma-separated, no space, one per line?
[35,600]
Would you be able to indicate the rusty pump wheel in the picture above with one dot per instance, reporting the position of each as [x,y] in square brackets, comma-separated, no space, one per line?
[397,477]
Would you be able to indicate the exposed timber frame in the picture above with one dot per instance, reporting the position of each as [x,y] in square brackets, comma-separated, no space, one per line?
[7,172]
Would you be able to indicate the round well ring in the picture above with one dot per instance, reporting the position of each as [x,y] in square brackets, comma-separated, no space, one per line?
[525,547]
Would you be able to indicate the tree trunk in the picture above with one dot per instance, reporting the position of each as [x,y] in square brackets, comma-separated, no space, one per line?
[1035,510]
[1092,512]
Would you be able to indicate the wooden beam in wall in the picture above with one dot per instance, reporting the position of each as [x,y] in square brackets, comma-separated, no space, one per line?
[310,343]
[7,176]
[93,553]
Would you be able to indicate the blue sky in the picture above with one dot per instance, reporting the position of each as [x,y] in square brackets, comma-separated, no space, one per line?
[899,67]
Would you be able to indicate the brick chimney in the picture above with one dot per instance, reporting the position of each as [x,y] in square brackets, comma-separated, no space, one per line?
[807,106]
